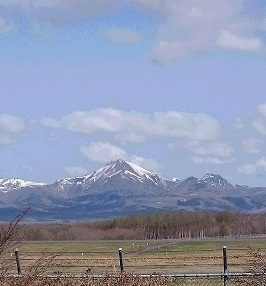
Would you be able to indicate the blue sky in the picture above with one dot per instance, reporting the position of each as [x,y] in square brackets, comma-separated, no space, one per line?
[177,87]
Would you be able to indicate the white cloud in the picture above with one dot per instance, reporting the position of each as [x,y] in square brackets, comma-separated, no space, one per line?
[194,27]
[122,36]
[261,163]
[197,126]
[10,128]
[11,123]
[146,163]
[106,152]
[185,27]
[103,152]
[217,149]
[134,126]
[197,160]
[250,169]
[229,41]
[76,171]
[247,169]
[260,124]
[102,119]
[209,152]
[252,145]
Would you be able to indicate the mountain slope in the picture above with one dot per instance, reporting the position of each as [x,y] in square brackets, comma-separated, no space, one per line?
[118,175]
[121,188]
[216,180]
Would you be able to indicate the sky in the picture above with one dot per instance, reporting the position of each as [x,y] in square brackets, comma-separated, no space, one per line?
[175,86]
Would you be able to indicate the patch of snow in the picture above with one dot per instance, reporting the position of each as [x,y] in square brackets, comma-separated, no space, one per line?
[16,183]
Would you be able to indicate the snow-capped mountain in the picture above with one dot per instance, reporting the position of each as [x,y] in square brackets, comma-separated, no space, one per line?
[123,188]
[216,180]
[116,175]
[123,169]
[16,183]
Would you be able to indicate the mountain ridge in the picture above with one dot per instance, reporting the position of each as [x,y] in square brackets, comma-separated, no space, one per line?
[94,176]
[121,188]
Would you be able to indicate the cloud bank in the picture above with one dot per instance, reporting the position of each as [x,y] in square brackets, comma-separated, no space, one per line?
[105,152]
[184,28]
[132,126]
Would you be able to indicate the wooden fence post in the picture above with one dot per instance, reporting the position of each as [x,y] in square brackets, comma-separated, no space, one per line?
[225,277]
[17,261]
[121,259]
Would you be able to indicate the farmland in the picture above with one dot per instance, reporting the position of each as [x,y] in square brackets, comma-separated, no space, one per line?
[186,260]
[140,257]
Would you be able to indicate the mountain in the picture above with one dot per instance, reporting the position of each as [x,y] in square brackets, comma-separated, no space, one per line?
[216,180]
[16,183]
[123,188]
[118,175]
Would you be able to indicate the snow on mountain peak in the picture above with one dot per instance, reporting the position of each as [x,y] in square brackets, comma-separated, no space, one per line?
[139,170]
[115,170]
[119,167]
[216,180]
[16,183]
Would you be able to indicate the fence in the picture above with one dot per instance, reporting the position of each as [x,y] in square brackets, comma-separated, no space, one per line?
[147,262]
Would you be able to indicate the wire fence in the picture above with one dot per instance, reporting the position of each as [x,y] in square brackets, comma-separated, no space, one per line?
[155,264]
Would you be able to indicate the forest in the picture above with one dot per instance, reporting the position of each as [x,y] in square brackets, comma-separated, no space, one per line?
[165,225]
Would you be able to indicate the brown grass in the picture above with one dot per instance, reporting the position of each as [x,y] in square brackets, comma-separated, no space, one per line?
[102,257]
[122,280]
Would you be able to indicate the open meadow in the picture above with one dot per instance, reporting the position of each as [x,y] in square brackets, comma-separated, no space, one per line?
[97,262]
[139,257]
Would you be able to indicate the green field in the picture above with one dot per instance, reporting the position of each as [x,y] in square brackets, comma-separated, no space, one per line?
[140,257]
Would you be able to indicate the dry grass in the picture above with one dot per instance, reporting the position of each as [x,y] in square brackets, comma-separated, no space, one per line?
[101,257]
[122,280]
[76,258]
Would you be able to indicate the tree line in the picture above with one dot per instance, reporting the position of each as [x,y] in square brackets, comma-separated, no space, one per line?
[165,225]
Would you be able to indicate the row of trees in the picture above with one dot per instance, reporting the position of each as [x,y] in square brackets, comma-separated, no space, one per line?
[153,226]
[190,225]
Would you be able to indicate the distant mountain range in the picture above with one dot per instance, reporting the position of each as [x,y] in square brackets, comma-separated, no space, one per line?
[122,188]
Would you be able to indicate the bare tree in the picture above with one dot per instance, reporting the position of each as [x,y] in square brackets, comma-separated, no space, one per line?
[9,233]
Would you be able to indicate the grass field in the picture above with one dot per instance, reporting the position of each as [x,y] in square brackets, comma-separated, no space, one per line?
[140,257]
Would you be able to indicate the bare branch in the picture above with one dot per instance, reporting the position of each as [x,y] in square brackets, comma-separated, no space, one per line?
[9,234]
